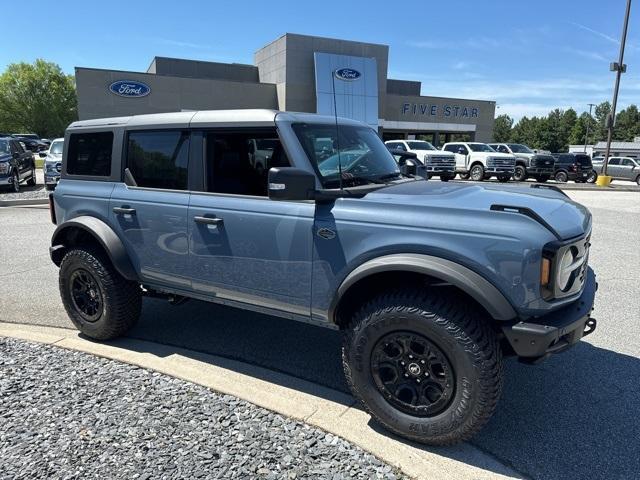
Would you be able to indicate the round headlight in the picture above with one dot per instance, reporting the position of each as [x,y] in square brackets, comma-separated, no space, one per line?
[565,268]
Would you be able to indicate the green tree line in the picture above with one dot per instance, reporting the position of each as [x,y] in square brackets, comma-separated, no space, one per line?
[37,98]
[561,128]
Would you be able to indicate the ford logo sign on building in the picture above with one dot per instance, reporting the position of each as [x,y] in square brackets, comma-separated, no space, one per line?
[348,74]
[130,88]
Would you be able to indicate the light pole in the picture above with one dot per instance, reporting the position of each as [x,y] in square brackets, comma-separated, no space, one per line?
[586,135]
[619,67]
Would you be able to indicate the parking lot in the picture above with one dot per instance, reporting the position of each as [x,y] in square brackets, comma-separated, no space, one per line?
[574,416]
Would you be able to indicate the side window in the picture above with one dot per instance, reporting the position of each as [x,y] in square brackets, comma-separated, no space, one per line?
[614,161]
[90,154]
[17,148]
[159,159]
[238,162]
[401,146]
[450,148]
[628,163]
[503,149]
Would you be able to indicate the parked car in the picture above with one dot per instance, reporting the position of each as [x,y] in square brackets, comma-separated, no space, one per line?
[32,145]
[528,163]
[430,284]
[572,166]
[53,164]
[437,163]
[479,161]
[17,165]
[619,168]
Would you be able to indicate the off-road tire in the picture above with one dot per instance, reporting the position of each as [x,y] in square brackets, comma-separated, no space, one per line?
[32,179]
[463,334]
[592,177]
[561,177]
[121,298]
[479,173]
[520,173]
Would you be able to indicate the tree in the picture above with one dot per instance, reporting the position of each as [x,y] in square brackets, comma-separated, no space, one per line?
[502,128]
[627,125]
[37,98]
[602,110]
[579,130]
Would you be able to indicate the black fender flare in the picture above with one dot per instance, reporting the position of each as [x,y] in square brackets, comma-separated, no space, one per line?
[104,235]
[476,286]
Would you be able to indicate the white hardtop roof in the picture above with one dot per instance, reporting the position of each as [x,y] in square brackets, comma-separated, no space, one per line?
[203,118]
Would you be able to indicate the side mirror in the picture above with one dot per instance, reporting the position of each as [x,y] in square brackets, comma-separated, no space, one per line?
[290,183]
[408,169]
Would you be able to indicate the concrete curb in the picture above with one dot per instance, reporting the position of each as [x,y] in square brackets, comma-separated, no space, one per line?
[327,409]
[30,201]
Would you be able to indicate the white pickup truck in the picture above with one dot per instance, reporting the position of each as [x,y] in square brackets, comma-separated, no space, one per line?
[479,161]
[438,163]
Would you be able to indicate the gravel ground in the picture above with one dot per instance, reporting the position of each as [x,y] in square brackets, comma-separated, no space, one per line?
[27,193]
[67,414]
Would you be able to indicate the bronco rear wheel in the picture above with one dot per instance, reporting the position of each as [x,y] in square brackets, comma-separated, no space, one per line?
[99,301]
[428,368]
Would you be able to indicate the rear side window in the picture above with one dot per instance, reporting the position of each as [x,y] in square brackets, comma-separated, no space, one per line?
[90,154]
[583,160]
[159,159]
[614,161]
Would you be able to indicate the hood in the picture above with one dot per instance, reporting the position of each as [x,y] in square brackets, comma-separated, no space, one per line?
[437,153]
[568,218]
[494,154]
[53,157]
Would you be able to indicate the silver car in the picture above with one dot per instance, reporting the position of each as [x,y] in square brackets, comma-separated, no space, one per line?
[53,164]
[619,168]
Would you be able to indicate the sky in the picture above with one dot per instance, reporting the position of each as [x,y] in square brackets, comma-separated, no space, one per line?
[530,56]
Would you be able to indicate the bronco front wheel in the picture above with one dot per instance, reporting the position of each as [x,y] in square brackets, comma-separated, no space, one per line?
[428,368]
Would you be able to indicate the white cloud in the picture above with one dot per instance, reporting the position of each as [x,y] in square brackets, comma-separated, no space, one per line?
[595,32]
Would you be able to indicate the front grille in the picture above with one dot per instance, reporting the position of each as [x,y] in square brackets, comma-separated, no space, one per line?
[579,268]
[501,162]
[440,161]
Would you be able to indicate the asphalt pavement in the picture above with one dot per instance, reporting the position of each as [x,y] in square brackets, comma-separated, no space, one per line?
[575,416]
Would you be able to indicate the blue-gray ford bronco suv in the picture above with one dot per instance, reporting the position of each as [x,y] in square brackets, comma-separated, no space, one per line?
[310,218]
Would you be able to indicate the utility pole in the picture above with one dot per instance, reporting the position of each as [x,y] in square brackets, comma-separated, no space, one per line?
[619,67]
[586,135]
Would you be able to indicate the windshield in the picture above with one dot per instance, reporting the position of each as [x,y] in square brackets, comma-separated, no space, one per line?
[420,145]
[363,157]
[517,148]
[4,146]
[56,148]
[480,147]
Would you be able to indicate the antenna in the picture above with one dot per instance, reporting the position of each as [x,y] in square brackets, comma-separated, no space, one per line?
[335,114]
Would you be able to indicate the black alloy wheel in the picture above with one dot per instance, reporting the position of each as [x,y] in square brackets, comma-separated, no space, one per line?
[561,177]
[412,374]
[86,295]
[520,174]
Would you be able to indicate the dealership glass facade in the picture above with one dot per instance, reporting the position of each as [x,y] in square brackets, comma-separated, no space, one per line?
[294,73]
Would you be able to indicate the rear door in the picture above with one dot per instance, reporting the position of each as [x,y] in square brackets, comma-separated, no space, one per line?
[627,169]
[613,167]
[151,217]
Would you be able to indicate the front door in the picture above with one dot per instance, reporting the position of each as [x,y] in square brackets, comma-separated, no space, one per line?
[243,246]
[151,217]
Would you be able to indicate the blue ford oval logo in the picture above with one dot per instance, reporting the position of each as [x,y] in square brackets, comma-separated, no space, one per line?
[130,88]
[347,74]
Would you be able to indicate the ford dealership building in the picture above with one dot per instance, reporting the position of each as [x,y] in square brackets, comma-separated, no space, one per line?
[295,73]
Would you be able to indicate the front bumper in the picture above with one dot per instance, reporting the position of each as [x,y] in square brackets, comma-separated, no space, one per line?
[6,180]
[536,339]
[51,179]
[440,169]
[500,170]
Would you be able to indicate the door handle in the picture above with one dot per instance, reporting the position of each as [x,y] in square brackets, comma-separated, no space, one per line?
[216,222]
[124,211]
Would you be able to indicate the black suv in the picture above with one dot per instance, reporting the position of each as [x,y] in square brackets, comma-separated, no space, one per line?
[572,166]
[16,164]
